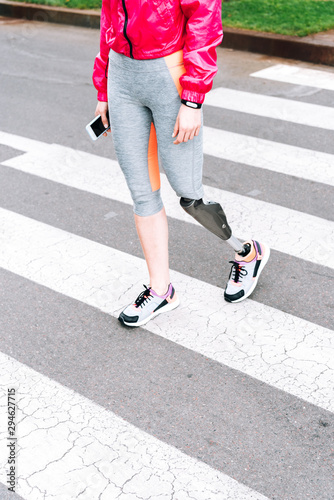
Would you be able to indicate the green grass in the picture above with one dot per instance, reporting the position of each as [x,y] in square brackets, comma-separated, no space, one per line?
[287,17]
[72,4]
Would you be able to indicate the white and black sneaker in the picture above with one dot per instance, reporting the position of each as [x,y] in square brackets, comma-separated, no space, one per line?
[147,305]
[245,272]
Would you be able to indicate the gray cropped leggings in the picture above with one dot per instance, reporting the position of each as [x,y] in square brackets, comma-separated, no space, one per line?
[144,101]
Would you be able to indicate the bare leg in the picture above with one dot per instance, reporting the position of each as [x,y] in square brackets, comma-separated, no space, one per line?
[153,236]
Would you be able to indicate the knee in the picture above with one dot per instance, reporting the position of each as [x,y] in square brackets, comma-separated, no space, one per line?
[147,205]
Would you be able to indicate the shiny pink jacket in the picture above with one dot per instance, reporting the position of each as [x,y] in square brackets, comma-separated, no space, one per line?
[147,29]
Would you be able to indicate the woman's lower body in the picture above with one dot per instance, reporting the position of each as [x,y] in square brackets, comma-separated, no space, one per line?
[144,102]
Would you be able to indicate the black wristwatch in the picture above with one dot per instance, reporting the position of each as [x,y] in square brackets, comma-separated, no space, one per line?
[190,104]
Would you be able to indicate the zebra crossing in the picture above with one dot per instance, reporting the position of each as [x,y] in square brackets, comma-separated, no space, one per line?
[293,230]
[298,75]
[313,115]
[71,445]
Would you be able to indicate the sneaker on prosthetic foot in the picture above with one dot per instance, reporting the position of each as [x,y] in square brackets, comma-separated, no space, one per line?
[147,305]
[245,272]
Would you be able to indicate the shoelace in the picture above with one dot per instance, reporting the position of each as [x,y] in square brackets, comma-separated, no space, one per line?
[237,271]
[143,296]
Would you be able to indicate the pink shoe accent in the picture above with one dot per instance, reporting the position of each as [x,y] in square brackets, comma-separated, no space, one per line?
[169,291]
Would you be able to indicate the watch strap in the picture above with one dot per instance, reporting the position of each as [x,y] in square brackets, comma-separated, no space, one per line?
[190,104]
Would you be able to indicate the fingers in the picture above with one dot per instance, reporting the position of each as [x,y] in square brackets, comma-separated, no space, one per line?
[186,135]
[176,128]
[183,136]
[105,123]
[188,124]
[179,138]
[104,119]
[102,109]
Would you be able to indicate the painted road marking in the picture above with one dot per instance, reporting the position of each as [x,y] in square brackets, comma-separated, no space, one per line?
[70,447]
[270,155]
[284,229]
[288,110]
[260,153]
[277,348]
[298,75]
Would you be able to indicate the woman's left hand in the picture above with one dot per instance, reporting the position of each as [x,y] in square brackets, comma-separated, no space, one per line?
[187,125]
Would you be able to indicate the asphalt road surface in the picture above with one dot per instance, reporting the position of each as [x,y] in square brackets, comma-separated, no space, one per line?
[213,400]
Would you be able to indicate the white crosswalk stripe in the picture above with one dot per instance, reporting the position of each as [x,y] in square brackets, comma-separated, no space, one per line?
[74,446]
[297,75]
[277,108]
[257,339]
[260,153]
[293,234]
[270,155]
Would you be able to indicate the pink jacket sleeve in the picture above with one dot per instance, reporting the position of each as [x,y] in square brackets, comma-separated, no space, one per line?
[101,60]
[203,33]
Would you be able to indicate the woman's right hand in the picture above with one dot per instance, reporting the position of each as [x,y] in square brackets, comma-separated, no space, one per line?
[101,109]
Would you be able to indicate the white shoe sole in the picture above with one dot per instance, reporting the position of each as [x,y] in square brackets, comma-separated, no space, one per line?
[263,263]
[166,308]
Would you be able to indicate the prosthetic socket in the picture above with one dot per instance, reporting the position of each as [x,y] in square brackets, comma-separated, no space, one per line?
[209,214]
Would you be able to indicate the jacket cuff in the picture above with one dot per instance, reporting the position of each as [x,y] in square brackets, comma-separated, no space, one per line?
[190,95]
[102,96]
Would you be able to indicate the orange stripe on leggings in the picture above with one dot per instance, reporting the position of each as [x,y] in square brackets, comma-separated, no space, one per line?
[176,68]
[152,160]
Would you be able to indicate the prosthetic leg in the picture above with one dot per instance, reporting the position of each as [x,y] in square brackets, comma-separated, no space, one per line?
[211,215]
